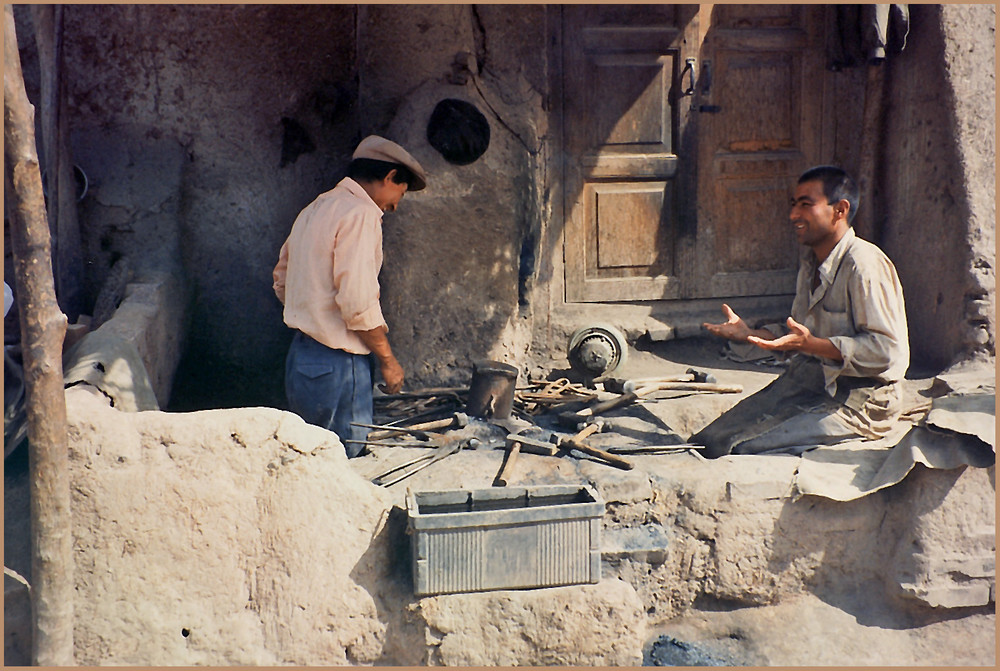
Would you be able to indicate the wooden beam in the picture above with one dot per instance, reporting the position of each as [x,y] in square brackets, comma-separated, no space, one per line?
[67,258]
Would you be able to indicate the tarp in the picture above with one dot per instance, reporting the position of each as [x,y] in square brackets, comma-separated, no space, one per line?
[959,430]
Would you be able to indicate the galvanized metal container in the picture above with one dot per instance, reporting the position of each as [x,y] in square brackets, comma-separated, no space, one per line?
[504,538]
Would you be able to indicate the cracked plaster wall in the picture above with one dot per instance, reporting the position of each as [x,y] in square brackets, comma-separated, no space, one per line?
[205,129]
[938,180]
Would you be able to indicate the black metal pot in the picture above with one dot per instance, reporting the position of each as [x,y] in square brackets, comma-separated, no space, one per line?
[491,394]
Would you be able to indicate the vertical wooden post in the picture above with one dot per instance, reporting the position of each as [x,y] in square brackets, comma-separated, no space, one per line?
[866,224]
[67,264]
[43,328]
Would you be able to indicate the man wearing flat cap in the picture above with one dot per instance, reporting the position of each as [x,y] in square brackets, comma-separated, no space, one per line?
[327,279]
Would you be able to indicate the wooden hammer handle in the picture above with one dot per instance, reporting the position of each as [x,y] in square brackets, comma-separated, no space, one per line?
[508,465]
[425,426]
[699,386]
[611,404]
[588,430]
[612,459]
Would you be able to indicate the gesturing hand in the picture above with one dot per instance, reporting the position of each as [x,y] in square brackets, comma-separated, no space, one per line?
[795,340]
[734,328]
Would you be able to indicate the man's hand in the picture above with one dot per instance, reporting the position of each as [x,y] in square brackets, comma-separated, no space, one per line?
[734,328]
[795,340]
[799,339]
[392,373]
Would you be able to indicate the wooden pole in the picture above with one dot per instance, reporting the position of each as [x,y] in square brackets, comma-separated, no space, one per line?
[866,223]
[67,264]
[43,328]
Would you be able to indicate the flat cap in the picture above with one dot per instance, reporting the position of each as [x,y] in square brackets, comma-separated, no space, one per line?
[380,149]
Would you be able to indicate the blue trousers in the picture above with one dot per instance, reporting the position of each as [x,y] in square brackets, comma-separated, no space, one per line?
[330,388]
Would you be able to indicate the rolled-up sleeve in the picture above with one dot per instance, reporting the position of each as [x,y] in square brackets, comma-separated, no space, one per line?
[280,272]
[357,261]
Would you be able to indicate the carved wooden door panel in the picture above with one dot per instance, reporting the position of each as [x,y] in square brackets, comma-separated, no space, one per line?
[761,98]
[620,121]
[684,127]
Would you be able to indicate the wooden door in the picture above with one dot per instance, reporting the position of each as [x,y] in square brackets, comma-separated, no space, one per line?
[684,127]
[760,124]
[620,113]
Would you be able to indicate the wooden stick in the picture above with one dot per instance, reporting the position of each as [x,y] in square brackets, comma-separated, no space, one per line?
[43,328]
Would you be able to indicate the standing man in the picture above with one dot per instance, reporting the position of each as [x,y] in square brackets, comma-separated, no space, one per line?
[327,279]
[847,332]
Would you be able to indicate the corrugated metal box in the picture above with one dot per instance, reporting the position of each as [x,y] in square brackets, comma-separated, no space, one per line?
[504,538]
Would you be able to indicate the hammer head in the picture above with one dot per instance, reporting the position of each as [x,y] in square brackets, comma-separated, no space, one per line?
[701,376]
[616,385]
[532,445]
[461,420]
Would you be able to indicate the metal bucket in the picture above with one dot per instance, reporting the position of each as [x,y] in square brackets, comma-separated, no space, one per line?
[491,393]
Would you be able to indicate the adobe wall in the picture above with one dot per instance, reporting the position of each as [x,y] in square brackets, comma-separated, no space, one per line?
[205,129]
[250,540]
[177,118]
[938,179]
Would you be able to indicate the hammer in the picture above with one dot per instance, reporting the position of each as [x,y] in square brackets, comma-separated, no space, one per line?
[457,421]
[576,443]
[621,385]
[635,393]
[515,444]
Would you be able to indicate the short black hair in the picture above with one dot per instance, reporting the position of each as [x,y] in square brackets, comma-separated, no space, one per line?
[373,170]
[837,186]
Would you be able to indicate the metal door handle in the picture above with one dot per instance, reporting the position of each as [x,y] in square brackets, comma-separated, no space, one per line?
[689,69]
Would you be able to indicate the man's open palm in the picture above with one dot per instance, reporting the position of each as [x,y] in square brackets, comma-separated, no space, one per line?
[734,328]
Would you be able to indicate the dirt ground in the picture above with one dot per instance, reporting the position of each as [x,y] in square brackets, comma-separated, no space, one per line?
[850,629]
[859,629]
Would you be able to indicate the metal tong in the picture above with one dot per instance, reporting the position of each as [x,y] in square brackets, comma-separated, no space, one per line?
[404,470]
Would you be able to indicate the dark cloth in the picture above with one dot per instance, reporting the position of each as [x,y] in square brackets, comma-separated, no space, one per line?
[867,33]
[330,388]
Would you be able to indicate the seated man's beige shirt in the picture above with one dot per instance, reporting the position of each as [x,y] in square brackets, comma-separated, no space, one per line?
[858,306]
[327,272]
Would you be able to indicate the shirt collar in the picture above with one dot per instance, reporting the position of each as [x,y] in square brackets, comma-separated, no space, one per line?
[828,268]
[358,191]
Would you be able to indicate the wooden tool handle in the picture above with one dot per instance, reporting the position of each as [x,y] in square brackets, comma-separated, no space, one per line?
[588,430]
[424,426]
[508,465]
[612,459]
[435,424]
[610,404]
[701,386]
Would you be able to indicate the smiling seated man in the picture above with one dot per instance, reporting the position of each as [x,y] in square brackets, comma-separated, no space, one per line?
[847,335]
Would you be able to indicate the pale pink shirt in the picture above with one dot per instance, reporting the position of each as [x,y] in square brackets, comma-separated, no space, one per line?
[327,272]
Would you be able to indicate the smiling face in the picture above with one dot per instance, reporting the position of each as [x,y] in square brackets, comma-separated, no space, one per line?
[817,223]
